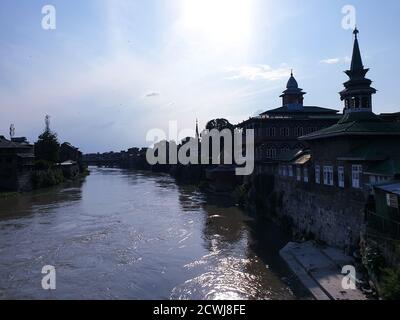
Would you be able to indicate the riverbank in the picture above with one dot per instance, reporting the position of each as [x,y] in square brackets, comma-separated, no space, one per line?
[8,195]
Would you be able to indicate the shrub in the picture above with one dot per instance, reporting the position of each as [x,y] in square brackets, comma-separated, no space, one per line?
[390,284]
[42,165]
[372,259]
[47,178]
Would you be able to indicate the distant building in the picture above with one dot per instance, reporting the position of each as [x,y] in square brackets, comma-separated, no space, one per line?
[385,219]
[277,130]
[16,163]
[69,152]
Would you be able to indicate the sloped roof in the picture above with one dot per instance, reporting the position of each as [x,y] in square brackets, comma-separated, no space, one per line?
[372,152]
[393,187]
[296,156]
[4,143]
[358,123]
[389,167]
[305,109]
[303,159]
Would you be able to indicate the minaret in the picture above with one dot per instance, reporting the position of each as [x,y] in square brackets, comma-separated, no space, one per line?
[292,97]
[197,130]
[357,95]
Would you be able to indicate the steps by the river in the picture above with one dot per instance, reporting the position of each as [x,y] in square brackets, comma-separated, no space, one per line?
[320,270]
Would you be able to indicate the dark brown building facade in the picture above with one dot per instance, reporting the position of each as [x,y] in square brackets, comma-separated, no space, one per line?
[16,163]
[327,188]
[277,130]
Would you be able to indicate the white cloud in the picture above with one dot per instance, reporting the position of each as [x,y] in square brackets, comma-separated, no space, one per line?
[331,61]
[152,95]
[336,60]
[258,72]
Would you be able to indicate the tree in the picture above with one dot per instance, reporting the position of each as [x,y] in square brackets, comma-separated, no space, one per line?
[47,147]
[219,124]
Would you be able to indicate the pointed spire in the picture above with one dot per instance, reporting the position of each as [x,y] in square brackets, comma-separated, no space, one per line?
[197,129]
[356,32]
[356,60]
[358,91]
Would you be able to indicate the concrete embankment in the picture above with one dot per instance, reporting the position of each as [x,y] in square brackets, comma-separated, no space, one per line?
[320,270]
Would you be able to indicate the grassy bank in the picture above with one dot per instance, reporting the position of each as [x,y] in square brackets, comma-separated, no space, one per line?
[8,195]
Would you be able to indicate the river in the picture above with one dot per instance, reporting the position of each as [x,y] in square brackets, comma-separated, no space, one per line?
[122,234]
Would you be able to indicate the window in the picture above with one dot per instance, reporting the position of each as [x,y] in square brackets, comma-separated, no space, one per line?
[290,171]
[285,150]
[285,132]
[328,175]
[271,132]
[284,169]
[298,173]
[271,153]
[341,177]
[357,102]
[365,102]
[356,171]
[305,174]
[317,174]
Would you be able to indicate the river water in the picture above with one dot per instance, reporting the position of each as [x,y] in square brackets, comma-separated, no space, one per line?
[133,235]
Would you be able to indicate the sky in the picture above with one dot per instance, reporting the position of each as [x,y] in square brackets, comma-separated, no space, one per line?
[112,70]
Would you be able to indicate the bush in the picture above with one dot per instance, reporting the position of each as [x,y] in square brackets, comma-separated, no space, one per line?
[390,284]
[47,178]
[42,165]
[372,259]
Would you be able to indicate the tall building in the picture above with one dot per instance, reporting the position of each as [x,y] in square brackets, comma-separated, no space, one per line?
[327,188]
[277,130]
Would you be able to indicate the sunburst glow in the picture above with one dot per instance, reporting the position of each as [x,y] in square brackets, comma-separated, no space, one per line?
[223,22]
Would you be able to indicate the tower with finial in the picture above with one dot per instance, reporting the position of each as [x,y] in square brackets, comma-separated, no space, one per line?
[47,123]
[293,96]
[357,95]
[12,131]
[197,130]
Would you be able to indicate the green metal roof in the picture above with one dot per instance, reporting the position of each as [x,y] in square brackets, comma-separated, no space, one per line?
[292,155]
[357,123]
[389,167]
[373,151]
[392,187]
[305,109]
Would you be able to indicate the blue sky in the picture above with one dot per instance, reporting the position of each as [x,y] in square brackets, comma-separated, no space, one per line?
[112,70]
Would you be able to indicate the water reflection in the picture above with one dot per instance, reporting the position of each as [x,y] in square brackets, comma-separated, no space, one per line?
[135,235]
[230,269]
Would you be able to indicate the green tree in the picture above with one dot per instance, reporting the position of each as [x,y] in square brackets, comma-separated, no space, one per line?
[47,147]
[219,124]
[390,286]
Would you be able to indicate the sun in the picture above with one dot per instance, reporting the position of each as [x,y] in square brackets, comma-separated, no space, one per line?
[221,22]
